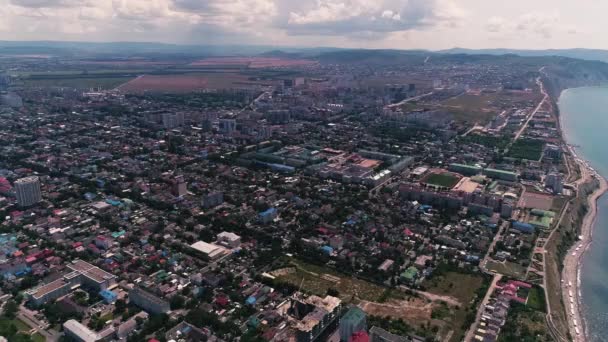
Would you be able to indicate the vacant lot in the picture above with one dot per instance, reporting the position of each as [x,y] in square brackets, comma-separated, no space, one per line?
[445,180]
[529,149]
[458,285]
[318,280]
[536,299]
[507,268]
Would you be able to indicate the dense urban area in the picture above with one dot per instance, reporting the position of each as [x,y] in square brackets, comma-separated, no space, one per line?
[343,196]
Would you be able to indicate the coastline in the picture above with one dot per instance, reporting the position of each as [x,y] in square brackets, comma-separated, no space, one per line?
[571,272]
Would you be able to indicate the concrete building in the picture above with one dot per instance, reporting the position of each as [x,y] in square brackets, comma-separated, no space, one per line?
[227,126]
[212,199]
[377,334]
[81,274]
[354,320]
[173,120]
[229,240]
[554,182]
[179,187]
[148,301]
[313,315]
[209,251]
[79,332]
[28,191]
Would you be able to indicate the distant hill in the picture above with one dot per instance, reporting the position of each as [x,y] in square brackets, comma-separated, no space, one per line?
[586,54]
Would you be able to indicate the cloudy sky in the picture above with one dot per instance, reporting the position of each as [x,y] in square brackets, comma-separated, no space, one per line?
[400,24]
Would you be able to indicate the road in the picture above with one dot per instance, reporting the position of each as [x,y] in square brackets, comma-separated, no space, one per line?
[542,102]
[29,318]
[470,336]
[408,100]
[497,237]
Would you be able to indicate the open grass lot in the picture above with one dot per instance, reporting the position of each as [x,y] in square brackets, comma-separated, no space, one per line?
[465,288]
[507,268]
[458,285]
[529,149]
[319,279]
[524,324]
[37,337]
[20,325]
[445,180]
[536,299]
[483,107]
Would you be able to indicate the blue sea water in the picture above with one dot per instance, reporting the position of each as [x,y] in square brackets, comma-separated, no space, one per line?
[584,115]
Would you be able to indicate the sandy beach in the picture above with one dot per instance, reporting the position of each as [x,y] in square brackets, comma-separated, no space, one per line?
[572,263]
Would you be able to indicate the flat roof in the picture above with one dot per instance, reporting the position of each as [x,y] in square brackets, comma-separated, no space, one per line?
[43,290]
[204,247]
[92,272]
[80,330]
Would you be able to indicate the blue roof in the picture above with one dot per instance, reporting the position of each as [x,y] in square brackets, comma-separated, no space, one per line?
[327,249]
[268,212]
[251,300]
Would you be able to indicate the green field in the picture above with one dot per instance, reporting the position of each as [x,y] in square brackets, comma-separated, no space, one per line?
[529,149]
[37,337]
[314,279]
[536,299]
[507,268]
[445,180]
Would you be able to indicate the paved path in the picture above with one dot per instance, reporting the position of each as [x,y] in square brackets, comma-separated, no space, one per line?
[470,336]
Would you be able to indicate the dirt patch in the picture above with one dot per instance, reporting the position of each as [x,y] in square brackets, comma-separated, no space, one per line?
[417,311]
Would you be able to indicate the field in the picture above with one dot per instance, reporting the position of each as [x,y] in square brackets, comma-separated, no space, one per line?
[37,337]
[483,107]
[507,268]
[536,299]
[458,285]
[416,310]
[252,62]
[318,280]
[444,180]
[529,149]
[185,83]
[78,83]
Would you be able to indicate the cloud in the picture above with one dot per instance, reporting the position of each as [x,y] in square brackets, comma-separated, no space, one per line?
[44,3]
[543,24]
[348,17]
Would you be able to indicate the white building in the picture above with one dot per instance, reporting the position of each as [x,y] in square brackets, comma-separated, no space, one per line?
[229,240]
[209,250]
[28,191]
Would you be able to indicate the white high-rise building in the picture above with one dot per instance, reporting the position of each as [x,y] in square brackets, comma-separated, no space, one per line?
[28,191]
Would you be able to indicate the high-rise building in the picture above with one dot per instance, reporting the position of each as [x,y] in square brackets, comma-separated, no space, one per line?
[28,191]
[148,301]
[353,321]
[227,126]
[173,120]
[179,187]
[554,182]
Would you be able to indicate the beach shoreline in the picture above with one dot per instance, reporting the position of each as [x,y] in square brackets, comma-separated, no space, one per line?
[571,272]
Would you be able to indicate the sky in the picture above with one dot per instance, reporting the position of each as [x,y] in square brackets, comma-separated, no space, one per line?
[394,24]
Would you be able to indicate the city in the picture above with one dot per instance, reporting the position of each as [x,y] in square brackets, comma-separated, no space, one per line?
[389,196]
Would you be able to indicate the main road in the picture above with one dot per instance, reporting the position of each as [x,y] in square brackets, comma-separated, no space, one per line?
[542,102]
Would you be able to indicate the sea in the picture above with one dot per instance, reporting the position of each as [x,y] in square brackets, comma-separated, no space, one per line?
[584,115]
